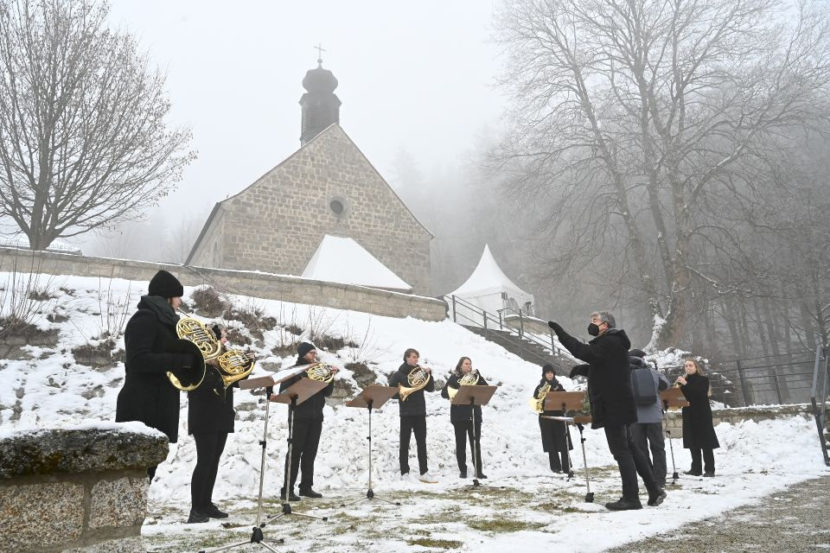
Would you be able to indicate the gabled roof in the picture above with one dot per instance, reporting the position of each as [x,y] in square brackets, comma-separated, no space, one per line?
[486,278]
[341,259]
[334,127]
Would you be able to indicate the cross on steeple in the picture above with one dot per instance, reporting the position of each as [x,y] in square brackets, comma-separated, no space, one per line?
[320,51]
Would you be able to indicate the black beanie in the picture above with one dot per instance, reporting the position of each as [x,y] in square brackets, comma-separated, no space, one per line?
[548,368]
[304,348]
[637,353]
[166,285]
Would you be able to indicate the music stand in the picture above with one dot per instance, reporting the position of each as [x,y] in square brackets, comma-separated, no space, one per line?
[294,395]
[474,396]
[673,397]
[267,382]
[372,397]
[565,401]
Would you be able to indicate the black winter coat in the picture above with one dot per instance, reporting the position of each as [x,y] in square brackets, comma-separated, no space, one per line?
[461,413]
[698,430]
[553,432]
[147,395]
[312,408]
[609,375]
[208,413]
[415,403]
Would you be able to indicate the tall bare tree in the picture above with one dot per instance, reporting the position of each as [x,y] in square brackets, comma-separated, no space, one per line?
[83,140]
[635,118]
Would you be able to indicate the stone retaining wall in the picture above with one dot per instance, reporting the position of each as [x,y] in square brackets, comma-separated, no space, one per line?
[76,490]
[260,285]
[735,415]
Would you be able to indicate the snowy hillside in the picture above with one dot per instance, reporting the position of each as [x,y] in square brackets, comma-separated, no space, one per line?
[46,384]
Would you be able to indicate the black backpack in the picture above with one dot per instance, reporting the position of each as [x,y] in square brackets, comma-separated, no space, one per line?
[643,386]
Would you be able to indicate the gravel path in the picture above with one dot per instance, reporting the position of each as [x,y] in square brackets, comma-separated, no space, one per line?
[795,520]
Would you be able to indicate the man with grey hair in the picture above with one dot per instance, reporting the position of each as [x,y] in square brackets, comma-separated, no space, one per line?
[612,402]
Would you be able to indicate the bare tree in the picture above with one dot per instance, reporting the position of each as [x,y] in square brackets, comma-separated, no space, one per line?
[634,117]
[83,141]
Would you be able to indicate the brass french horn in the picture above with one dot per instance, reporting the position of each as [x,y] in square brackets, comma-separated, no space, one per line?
[537,403]
[232,365]
[321,372]
[469,379]
[417,380]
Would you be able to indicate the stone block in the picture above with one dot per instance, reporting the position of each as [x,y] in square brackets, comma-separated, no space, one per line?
[120,502]
[40,514]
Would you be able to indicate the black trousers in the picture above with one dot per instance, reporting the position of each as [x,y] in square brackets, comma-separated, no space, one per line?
[650,436]
[555,464]
[303,452]
[209,449]
[630,463]
[418,425]
[708,459]
[463,433]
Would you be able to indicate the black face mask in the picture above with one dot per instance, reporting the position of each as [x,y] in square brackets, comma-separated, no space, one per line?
[593,329]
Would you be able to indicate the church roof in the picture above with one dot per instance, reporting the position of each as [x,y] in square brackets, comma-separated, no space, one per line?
[341,259]
[486,278]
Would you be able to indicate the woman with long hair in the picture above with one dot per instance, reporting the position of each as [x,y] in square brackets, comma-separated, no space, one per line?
[461,417]
[698,430]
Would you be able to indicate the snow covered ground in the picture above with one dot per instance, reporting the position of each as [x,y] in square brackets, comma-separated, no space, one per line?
[521,504]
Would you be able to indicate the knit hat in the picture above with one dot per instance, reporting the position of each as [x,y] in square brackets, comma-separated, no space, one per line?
[548,368]
[304,348]
[637,353]
[165,285]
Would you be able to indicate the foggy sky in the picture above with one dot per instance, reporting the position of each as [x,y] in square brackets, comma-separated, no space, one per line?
[415,78]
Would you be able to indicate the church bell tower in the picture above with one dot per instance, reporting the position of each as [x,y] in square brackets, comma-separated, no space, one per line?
[320,105]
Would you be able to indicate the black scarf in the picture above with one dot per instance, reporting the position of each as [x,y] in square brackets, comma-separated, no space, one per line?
[161,307]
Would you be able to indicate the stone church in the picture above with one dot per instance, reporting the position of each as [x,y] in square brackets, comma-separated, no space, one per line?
[327,187]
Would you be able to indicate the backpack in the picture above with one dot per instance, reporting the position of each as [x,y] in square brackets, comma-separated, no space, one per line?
[643,386]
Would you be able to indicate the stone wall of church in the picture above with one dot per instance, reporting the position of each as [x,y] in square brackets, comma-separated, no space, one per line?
[280,219]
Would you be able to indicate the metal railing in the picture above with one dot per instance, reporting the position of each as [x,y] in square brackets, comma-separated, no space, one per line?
[818,396]
[468,314]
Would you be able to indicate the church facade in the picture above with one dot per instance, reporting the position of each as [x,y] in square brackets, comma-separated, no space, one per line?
[327,187]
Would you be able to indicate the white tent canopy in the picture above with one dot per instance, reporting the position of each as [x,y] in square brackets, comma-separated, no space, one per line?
[341,259]
[488,288]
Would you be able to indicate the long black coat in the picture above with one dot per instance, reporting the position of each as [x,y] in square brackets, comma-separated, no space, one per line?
[415,403]
[312,408]
[698,429]
[147,394]
[208,413]
[609,375]
[554,433]
[461,413]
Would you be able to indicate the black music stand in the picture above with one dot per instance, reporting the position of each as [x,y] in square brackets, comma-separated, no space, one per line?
[267,382]
[573,401]
[372,397]
[673,397]
[294,395]
[565,401]
[474,396]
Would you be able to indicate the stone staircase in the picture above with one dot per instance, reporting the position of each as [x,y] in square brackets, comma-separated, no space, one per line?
[527,350]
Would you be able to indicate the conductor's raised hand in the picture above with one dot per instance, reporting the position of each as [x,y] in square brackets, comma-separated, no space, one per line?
[555,326]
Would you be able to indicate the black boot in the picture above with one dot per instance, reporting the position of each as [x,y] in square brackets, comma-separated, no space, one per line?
[196,516]
[306,491]
[213,511]
[656,497]
[624,504]
[291,495]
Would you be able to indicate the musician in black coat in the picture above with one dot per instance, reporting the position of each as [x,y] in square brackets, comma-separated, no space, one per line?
[556,436]
[413,412]
[612,403]
[698,429]
[210,418]
[152,349]
[461,417]
[308,426]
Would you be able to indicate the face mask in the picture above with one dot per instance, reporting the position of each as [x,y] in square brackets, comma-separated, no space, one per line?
[593,329]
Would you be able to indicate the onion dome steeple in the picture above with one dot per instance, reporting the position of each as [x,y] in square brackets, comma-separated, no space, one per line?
[320,105]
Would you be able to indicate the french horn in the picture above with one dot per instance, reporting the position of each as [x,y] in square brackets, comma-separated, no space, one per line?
[417,380]
[537,403]
[469,379]
[232,365]
[321,372]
